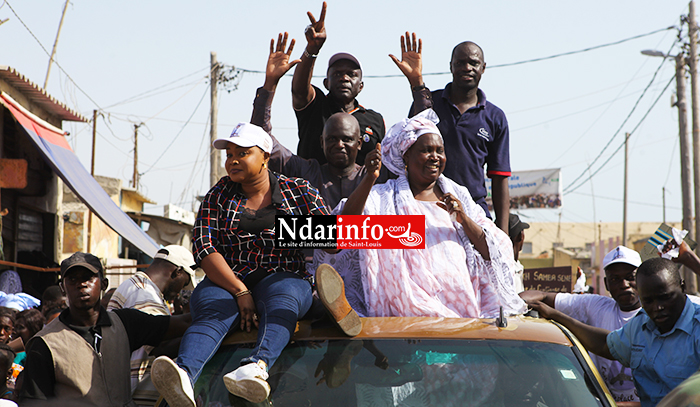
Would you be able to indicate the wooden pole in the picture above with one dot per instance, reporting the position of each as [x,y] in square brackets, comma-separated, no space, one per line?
[214,154]
[135,179]
[624,196]
[55,43]
[691,284]
[92,172]
[94,138]
[686,178]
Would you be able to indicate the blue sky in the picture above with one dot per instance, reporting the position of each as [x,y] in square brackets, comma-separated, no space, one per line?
[561,111]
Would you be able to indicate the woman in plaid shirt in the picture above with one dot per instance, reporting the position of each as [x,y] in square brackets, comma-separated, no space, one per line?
[249,280]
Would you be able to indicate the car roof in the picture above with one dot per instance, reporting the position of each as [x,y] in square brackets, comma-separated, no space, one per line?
[519,328]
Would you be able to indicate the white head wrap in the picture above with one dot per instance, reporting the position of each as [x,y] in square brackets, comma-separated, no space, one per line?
[403,134]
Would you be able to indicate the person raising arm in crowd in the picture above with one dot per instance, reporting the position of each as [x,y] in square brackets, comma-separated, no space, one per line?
[611,313]
[336,179]
[343,82]
[467,260]
[475,130]
[340,141]
[661,344]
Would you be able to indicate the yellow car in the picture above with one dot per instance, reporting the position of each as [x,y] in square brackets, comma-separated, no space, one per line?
[411,361]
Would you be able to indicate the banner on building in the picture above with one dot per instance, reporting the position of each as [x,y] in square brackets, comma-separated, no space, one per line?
[532,189]
[550,279]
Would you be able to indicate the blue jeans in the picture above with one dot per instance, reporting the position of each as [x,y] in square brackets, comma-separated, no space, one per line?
[280,298]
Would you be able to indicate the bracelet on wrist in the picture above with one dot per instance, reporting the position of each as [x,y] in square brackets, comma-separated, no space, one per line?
[309,55]
[241,293]
[418,88]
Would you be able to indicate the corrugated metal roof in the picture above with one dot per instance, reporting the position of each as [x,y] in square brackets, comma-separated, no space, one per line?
[38,95]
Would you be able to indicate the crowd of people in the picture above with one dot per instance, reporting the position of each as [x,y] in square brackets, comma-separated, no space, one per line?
[80,348]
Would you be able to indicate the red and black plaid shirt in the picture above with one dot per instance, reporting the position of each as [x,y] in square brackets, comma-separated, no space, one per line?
[217,226]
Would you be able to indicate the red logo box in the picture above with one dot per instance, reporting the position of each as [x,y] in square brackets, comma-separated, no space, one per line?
[380,232]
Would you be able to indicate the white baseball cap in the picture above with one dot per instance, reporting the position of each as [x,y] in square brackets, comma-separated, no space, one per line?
[622,254]
[180,257]
[246,135]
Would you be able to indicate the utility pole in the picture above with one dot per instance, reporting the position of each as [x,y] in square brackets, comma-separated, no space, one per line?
[94,137]
[695,99]
[663,202]
[686,179]
[92,172]
[135,180]
[214,154]
[624,195]
[55,44]
[691,283]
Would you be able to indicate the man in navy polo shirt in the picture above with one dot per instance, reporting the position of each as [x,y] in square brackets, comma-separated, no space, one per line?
[343,82]
[475,130]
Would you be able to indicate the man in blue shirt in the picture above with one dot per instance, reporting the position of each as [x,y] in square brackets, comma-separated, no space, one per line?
[475,131]
[661,344]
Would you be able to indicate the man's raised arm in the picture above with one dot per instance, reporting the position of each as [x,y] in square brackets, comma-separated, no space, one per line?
[411,65]
[278,64]
[594,339]
[302,91]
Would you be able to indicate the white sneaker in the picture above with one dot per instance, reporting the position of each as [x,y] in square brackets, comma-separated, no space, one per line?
[249,382]
[172,382]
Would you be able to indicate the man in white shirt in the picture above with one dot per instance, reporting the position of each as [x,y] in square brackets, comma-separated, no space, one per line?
[610,313]
[171,271]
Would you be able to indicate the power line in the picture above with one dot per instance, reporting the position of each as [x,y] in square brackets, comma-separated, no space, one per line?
[178,133]
[629,115]
[583,50]
[49,54]
[632,202]
[143,94]
[527,61]
[623,143]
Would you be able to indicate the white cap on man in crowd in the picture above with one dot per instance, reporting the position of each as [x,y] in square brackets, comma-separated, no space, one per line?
[622,254]
[246,135]
[180,257]
[344,55]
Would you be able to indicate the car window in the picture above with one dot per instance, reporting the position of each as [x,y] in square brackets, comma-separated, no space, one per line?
[361,373]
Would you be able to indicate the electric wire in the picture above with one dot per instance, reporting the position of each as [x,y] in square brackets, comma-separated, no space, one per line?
[178,133]
[140,95]
[670,163]
[629,115]
[508,64]
[628,201]
[572,189]
[49,54]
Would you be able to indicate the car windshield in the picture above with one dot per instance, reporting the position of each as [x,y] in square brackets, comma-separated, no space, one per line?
[423,372]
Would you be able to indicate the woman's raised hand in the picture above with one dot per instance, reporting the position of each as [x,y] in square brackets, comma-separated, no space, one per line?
[373,161]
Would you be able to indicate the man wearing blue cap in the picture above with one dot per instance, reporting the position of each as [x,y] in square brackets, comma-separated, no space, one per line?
[343,82]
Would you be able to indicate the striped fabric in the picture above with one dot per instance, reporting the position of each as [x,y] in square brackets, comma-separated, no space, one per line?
[140,293]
